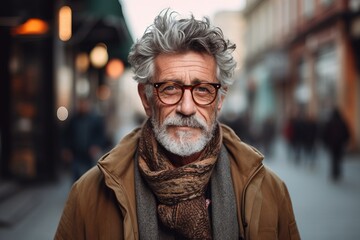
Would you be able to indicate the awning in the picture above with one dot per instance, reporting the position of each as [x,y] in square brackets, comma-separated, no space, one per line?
[101,22]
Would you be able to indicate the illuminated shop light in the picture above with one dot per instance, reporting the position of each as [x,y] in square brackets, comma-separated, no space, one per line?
[65,22]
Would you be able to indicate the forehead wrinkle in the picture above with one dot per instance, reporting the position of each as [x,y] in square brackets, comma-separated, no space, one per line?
[181,69]
[180,79]
[190,64]
[188,70]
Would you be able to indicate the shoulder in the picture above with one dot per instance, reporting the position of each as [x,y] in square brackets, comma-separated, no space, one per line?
[91,190]
[88,186]
[90,178]
[270,175]
[273,185]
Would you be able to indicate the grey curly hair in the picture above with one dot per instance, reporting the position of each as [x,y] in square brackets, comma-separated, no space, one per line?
[168,34]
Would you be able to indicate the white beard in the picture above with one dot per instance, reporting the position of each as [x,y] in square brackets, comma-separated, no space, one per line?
[184,145]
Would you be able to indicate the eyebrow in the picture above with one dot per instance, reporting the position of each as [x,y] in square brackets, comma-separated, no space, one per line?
[195,81]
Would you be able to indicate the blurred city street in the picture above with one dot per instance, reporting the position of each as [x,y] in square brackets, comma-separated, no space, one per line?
[33,212]
[67,83]
[324,210]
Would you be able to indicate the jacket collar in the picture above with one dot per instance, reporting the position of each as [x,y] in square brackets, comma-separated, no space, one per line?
[245,157]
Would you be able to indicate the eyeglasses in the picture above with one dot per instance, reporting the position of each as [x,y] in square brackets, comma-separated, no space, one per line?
[170,93]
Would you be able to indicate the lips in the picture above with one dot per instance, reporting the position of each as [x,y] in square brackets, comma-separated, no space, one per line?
[184,128]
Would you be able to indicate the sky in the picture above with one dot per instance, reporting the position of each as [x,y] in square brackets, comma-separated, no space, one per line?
[140,13]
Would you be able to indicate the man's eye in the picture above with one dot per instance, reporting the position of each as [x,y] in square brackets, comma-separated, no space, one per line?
[202,89]
[169,88]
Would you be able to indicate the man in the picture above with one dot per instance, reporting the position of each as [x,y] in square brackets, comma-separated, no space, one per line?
[182,175]
[84,138]
[335,137]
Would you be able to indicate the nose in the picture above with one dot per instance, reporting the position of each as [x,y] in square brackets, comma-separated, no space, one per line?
[186,106]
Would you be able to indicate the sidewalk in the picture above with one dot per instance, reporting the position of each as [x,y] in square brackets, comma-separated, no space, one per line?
[32,213]
[323,209]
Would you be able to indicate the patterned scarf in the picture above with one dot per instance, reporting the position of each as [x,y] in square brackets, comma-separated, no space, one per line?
[180,191]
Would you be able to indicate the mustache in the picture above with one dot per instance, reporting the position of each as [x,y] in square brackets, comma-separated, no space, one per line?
[181,121]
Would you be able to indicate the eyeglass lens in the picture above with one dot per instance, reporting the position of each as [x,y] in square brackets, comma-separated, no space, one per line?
[171,93]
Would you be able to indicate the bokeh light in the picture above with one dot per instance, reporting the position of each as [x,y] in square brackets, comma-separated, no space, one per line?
[82,62]
[65,22]
[99,55]
[103,92]
[115,68]
[62,113]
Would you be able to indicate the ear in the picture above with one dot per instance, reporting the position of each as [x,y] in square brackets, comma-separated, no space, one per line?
[220,103]
[221,100]
[145,101]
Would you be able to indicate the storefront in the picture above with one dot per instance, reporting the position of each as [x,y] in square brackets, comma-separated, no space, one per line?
[325,75]
[28,130]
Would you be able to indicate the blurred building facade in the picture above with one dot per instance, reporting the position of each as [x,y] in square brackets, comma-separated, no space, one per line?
[302,57]
[233,26]
[45,63]
[28,135]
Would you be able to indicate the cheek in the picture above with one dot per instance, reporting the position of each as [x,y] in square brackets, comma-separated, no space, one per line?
[161,112]
[210,113]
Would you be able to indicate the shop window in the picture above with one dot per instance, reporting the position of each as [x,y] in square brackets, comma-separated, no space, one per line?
[327,72]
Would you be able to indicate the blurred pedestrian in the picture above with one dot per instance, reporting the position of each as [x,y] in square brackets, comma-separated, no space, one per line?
[299,137]
[335,137]
[288,133]
[310,139]
[268,136]
[84,138]
[182,174]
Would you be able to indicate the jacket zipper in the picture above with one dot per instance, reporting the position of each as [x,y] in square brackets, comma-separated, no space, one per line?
[244,223]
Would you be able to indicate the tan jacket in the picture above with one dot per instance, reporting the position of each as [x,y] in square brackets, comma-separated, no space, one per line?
[98,209]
